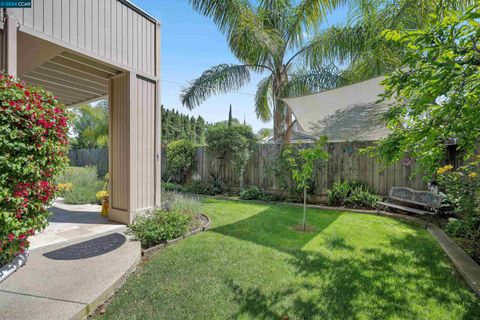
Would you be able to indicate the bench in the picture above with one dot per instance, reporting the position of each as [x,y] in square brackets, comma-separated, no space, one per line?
[413,201]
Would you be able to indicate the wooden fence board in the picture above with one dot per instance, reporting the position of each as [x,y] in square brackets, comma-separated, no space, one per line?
[345,164]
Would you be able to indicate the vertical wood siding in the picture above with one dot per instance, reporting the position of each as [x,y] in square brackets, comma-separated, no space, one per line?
[104,28]
[119,142]
[143,145]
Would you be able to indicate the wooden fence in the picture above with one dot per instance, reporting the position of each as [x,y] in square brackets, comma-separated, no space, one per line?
[90,157]
[345,164]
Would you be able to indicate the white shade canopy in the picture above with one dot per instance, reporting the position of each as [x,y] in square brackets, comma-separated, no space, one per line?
[344,114]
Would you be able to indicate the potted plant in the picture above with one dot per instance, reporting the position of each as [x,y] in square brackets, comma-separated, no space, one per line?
[102,197]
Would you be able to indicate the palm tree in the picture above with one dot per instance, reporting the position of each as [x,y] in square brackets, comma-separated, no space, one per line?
[359,43]
[268,38]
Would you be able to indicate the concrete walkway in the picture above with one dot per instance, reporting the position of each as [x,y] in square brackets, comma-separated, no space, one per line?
[71,222]
[71,277]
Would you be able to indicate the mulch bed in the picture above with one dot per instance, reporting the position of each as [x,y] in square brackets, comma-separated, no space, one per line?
[470,248]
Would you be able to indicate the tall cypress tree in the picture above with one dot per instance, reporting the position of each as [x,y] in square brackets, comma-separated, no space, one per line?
[176,126]
[230,117]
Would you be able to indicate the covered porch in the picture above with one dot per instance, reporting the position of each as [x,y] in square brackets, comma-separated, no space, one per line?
[83,53]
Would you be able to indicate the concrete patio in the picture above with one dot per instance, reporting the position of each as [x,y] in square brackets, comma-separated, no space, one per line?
[77,242]
[72,222]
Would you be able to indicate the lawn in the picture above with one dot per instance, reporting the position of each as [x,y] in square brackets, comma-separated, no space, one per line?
[251,264]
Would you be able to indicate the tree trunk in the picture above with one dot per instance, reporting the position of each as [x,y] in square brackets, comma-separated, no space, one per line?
[277,125]
[287,139]
[279,82]
[304,209]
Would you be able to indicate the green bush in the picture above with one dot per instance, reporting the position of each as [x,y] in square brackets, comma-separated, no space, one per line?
[255,193]
[159,227]
[231,144]
[174,220]
[85,185]
[352,194]
[458,229]
[180,159]
[462,188]
[169,186]
[205,188]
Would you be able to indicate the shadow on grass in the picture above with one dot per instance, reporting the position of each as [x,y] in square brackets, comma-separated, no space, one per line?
[408,278]
[273,228]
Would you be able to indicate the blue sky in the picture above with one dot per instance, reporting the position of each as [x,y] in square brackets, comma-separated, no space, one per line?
[190,44]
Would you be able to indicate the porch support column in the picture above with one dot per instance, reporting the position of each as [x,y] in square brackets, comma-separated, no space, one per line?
[9,50]
[133,149]
[158,121]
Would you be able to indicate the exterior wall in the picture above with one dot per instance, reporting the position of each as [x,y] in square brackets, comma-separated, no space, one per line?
[104,29]
[119,141]
[134,164]
[115,43]
[142,144]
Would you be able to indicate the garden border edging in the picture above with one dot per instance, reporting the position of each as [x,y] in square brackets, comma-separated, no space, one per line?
[10,268]
[151,250]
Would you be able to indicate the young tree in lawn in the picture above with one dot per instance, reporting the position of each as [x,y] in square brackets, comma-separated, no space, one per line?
[267,37]
[302,163]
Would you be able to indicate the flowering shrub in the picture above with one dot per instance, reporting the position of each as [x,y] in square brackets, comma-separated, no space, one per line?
[33,147]
[462,187]
[64,187]
[101,195]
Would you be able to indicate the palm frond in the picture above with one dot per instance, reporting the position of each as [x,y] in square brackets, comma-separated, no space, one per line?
[238,21]
[308,81]
[222,78]
[336,44]
[308,15]
[263,99]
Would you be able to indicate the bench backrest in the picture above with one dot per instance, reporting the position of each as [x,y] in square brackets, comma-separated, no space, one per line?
[423,198]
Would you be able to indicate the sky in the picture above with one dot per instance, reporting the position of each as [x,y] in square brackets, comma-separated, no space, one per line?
[190,44]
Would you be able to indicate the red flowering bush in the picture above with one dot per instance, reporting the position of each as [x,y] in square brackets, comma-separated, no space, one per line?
[33,149]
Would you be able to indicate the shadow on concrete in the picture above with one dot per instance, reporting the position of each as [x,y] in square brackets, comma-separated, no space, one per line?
[61,215]
[88,249]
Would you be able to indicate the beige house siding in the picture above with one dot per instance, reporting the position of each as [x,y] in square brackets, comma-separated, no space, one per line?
[86,50]
[133,145]
[143,145]
[107,29]
[119,141]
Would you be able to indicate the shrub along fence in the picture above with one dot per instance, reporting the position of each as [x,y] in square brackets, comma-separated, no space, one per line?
[345,164]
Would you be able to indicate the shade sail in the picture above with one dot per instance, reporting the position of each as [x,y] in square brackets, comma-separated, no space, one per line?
[344,114]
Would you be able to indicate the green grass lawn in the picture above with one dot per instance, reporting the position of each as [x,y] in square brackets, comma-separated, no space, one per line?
[251,264]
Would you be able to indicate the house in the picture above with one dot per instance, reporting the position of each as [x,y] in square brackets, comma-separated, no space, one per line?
[350,113]
[84,51]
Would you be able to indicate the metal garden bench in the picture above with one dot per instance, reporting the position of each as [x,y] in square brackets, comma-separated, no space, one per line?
[413,201]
